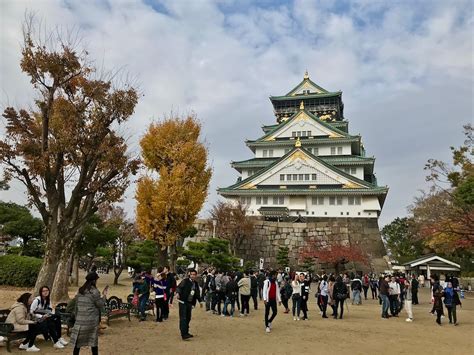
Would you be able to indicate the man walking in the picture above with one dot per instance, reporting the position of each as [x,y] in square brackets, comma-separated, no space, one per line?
[254,289]
[187,294]
[383,293]
[271,295]
[414,289]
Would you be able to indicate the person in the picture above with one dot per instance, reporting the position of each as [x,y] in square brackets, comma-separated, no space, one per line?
[219,295]
[159,286]
[232,292]
[408,300]
[331,299]
[324,295]
[170,289]
[394,294]
[285,293]
[209,289]
[244,290]
[296,297]
[49,322]
[421,280]
[261,280]
[254,289]
[356,287]
[271,295]
[340,293]
[187,294]
[437,298]
[140,288]
[414,289]
[22,322]
[384,291]
[304,295]
[450,302]
[365,285]
[373,287]
[89,302]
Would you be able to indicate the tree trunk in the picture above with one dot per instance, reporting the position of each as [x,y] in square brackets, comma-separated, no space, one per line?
[59,292]
[75,271]
[162,256]
[173,256]
[51,259]
[117,273]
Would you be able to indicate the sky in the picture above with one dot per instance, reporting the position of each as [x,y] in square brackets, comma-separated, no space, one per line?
[405,69]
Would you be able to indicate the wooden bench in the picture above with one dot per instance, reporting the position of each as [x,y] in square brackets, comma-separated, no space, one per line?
[115,308]
[6,329]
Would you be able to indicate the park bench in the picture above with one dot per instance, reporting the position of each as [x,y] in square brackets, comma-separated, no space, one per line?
[6,329]
[67,318]
[115,308]
[134,309]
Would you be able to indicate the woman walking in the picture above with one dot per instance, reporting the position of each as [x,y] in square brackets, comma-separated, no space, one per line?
[285,293]
[244,289]
[159,285]
[19,317]
[451,300]
[296,298]
[88,305]
[340,294]
[408,300]
[437,298]
[324,295]
[331,300]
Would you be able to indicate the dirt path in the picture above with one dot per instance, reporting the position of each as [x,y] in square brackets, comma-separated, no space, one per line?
[361,332]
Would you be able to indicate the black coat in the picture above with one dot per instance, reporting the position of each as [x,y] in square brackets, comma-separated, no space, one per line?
[184,289]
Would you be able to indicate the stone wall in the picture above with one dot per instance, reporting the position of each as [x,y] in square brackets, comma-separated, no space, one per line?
[269,236]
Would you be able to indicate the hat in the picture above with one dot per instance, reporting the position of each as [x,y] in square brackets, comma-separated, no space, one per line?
[91,276]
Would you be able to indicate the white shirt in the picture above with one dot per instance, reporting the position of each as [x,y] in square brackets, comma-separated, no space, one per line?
[323,288]
[394,288]
[296,287]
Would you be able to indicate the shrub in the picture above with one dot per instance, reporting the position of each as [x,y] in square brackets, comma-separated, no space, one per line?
[21,271]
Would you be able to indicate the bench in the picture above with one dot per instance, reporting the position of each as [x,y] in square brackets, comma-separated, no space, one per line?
[115,308]
[150,306]
[6,329]
[67,318]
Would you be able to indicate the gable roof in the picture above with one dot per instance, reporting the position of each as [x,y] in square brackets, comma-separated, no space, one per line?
[353,181]
[428,258]
[337,133]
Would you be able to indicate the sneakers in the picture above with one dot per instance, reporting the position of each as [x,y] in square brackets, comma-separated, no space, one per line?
[32,349]
[58,345]
[63,341]
[297,318]
[270,325]
[294,318]
[267,329]
[408,320]
[23,346]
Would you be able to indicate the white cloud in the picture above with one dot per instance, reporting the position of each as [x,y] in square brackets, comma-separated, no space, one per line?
[405,69]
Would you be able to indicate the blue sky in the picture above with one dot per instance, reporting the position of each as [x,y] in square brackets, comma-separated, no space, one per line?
[405,69]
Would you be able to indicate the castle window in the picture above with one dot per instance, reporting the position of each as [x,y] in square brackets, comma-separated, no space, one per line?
[313,176]
[295,177]
[265,200]
[351,200]
[258,200]
[339,150]
[301,177]
[282,177]
[332,200]
[315,151]
[270,153]
[264,153]
[333,150]
[288,177]
[309,133]
[357,200]
[306,177]
[353,171]
[303,134]
[342,213]
[293,134]
[339,200]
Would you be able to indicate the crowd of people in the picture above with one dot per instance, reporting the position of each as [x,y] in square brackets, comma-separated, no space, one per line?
[227,294]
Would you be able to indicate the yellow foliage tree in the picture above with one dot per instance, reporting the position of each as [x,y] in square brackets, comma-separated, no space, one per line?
[168,206]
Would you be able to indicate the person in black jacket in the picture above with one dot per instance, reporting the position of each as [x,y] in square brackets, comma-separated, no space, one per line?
[187,294]
[340,293]
[254,289]
[304,295]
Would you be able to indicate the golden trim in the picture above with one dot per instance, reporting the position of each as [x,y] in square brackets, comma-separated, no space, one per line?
[302,105]
[298,143]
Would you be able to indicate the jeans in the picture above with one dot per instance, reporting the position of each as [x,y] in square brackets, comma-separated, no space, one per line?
[245,300]
[393,305]
[414,296]
[374,292]
[142,305]
[304,306]
[33,331]
[49,327]
[324,301]
[160,308]
[231,302]
[273,305]
[356,299]
[209,296]
[452,314]
[184,317]
[296,305]
[339,304]
[254,295]
[365,288]
[385,304]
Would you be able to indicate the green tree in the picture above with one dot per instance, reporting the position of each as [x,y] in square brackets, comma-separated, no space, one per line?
[17,222]
[214,252]
[400,239]
[142,255]
[282,257]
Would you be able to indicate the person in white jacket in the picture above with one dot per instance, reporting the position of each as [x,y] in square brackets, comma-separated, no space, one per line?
[271,295]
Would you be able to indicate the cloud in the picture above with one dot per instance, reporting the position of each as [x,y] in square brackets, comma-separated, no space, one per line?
[405,69]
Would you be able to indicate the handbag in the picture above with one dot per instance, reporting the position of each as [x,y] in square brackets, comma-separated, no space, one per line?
[135,300]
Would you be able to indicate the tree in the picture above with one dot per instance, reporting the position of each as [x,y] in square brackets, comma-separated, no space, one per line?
[282,257]
[214,252]
[335,254]
[142,255]
[232,223]
[400,239]
[4,185]
[66,149]
[17,222]
[444,216]
[168,206]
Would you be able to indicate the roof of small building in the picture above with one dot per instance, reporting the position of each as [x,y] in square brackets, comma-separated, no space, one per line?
[430,257]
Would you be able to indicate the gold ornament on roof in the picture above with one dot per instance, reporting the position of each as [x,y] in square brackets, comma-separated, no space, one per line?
[298,143]
[306,75]
[302,105]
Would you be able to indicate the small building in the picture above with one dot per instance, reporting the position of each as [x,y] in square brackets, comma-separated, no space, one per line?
[432,264]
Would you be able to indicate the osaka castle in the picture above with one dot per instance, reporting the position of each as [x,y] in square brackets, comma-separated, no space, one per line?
[307,165]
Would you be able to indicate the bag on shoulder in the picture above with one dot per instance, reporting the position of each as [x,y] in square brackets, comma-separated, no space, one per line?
[135,300]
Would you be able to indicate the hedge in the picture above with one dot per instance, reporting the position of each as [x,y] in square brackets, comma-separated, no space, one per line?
[21,271]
